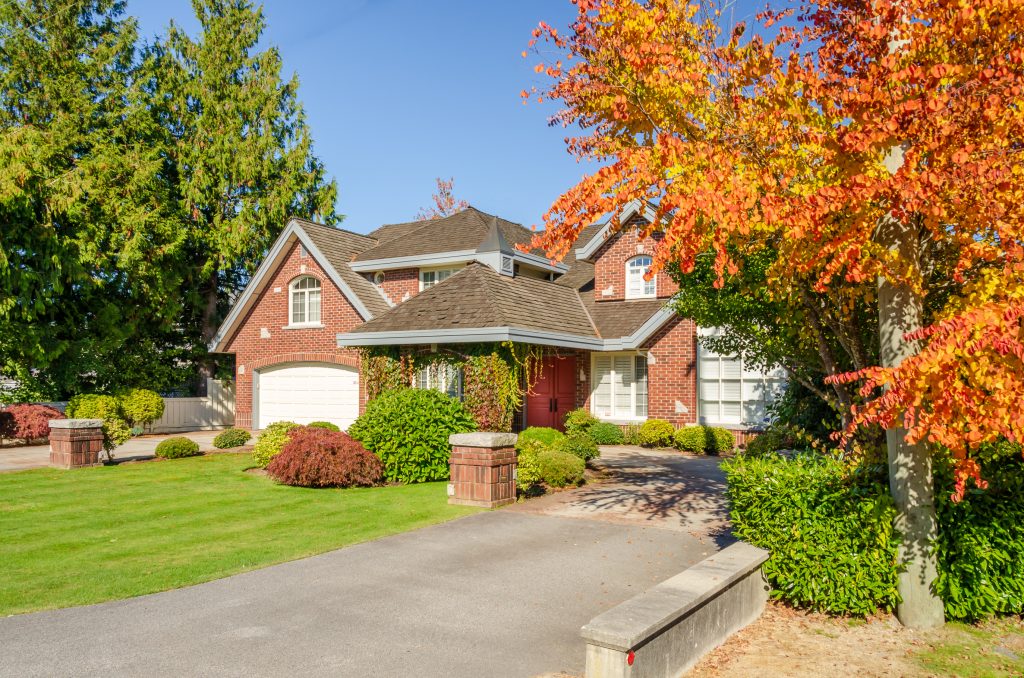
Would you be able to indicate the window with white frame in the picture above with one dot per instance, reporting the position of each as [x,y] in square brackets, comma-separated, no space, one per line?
[304,301]
[441,377]
[636,286]
[619,386]
[731,393]
[429,278]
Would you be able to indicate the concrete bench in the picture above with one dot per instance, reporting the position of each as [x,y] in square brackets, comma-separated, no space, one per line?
[665,630]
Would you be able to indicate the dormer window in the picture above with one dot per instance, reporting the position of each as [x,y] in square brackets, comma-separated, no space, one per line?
[636,286]
[430,278]
[304,301]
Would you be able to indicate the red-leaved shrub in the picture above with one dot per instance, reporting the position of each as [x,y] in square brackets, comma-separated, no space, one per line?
[27,422]
[318,457]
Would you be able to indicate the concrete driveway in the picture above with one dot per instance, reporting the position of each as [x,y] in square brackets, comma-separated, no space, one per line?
[19,458]
[499,593]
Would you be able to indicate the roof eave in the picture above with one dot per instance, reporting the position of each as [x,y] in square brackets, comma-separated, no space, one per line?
[628,212]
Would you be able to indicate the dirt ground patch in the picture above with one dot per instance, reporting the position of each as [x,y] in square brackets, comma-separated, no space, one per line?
[786,642]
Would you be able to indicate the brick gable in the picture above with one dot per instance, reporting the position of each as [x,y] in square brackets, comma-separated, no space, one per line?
[253,350]
[610,263]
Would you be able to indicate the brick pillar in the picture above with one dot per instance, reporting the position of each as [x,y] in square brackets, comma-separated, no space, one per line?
[483,469]
[75,443]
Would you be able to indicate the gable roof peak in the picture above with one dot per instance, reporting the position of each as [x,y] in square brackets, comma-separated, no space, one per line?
[495,240]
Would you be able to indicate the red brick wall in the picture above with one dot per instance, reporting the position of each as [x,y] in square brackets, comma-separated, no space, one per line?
[399,282]
[289,345]
[671,380]
[610,264]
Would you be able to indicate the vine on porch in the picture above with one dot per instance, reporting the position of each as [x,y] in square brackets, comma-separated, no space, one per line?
[497,375]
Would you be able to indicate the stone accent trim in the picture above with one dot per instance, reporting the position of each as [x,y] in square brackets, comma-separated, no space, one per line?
[482,476]
[665,630]
[75,443]
[306,357]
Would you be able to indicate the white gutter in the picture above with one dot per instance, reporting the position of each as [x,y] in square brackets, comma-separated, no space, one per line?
[419,260]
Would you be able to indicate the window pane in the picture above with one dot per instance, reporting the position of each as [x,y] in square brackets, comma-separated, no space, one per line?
[732,368]
[709,368]
[731,390]
[601,395]
[443,275]
[622,383]
[298,307]
[313,297]
[428,278]
[709,390]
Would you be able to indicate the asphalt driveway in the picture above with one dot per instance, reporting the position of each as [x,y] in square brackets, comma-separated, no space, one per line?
[499,593]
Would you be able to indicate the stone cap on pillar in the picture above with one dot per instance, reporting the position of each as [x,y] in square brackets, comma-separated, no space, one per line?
[483,439]
[76,423]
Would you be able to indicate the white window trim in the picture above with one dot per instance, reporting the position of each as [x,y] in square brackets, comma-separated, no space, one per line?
[643,283]
[452,270]
[742,425]
[309,324]
[632,394]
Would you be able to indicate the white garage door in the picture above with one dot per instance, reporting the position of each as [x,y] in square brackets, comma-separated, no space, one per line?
[308,392]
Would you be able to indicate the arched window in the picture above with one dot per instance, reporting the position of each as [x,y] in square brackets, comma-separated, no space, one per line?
[636,286]
[304,301]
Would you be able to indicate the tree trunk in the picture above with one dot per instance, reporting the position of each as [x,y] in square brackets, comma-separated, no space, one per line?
[910,466]
[207,367]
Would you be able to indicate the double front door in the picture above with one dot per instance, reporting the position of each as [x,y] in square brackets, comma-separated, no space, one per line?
[553,395]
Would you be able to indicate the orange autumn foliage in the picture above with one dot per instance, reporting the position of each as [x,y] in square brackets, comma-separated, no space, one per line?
[778,135]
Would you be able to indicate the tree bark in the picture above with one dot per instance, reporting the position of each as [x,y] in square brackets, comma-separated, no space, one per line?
[207,366]
[900,310]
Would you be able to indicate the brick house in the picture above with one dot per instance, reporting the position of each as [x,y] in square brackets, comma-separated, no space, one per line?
[612,345]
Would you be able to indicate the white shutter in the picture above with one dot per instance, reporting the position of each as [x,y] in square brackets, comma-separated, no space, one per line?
[602,394]
[622,386]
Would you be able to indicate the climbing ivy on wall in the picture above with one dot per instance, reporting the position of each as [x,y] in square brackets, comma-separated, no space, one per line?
[497,375]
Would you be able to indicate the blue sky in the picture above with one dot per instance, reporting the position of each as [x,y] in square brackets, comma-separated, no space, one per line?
[398,92]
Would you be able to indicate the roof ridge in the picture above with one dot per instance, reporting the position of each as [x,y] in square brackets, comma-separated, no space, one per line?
[309,222]
[583,304]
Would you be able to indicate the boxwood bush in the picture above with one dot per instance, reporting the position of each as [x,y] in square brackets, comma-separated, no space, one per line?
[704,440]
[579,445]
[315,456]
[116,430]
[176,448]
[232,437]
[604,433]
[829,531]
[408,430]
[656,433]
[270,442]
[140,406]
[559,469]
[324,424]
[579,422]
[548,437]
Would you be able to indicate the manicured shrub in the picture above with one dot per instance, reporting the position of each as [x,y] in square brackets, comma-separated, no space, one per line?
[631,434]
[548,437]
[319,457]
[408,430]
[830,532]
[980,548]
[141,406]
[579,445]
[116,430]
[768,443]
[271,440]
[528,467]
[691,439]
[232,437]
[177,447]
[559,469]
[27,422]
[325,425]
[604,433]
[704,440]
[656,433]
[578,422]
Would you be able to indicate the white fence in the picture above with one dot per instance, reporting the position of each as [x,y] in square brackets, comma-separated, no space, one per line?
[216,410]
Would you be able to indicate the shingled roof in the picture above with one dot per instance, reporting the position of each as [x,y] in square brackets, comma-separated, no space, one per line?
[339,247]
[459,232]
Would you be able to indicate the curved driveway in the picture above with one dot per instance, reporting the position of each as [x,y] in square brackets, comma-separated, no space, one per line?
[499,593]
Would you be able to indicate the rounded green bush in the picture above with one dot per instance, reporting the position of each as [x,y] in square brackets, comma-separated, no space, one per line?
[722,440]
[548,437]
[691,439]
[578,422]
[408,430]
[177,447]
[579,446]
[604,433]
[767,444]
[141,406]
[528,467]
[560,469]
[232,437]
[116,430]
[656,433]
[325,425]
[270,442]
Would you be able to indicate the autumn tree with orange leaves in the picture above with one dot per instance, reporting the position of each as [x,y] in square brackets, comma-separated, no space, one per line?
[445,202]
[868,141]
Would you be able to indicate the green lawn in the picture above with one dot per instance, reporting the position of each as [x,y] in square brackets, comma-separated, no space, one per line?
[89,535]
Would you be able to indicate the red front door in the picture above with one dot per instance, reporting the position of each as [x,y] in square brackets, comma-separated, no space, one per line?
[553,395]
